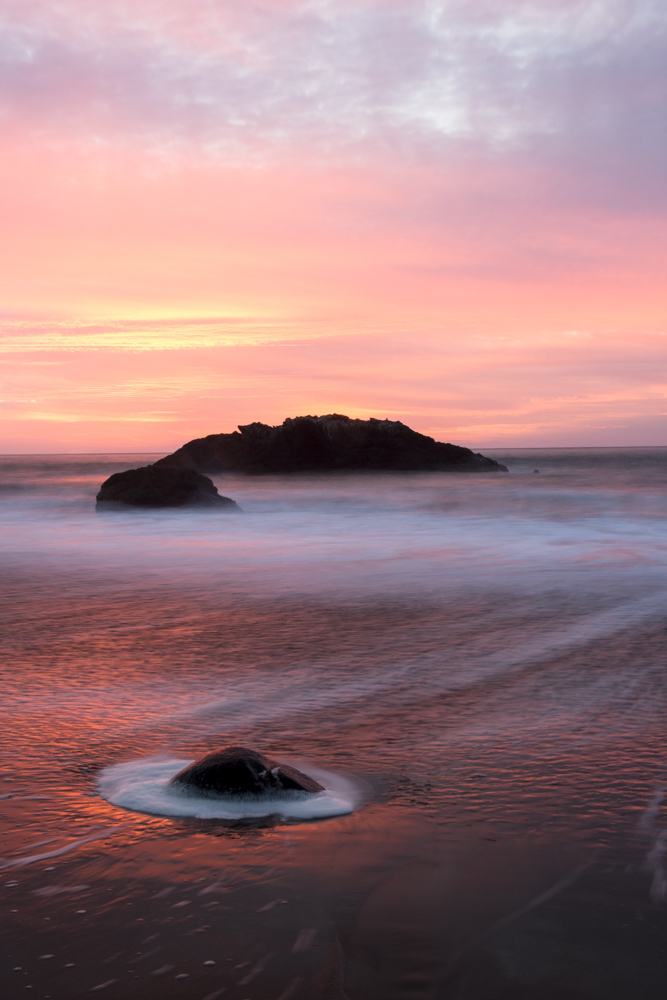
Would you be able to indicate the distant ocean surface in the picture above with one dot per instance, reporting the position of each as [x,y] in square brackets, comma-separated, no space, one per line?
[483,656]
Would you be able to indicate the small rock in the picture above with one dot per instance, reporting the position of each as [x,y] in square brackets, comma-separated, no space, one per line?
[240,771]
[155,486]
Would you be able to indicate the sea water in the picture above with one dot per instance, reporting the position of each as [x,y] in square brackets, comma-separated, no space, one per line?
[476,663]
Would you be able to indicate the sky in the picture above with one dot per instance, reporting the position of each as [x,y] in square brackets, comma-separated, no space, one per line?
[447,212]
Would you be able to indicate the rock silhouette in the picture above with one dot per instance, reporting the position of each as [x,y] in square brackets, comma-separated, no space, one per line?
[153,486]
[328,443]
[239,771]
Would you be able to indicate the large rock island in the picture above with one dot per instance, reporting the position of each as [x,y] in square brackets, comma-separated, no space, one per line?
[326,444]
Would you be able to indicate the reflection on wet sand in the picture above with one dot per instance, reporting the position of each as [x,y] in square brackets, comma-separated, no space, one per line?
[390,902]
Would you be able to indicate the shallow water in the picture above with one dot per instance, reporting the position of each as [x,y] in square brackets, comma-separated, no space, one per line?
[483,654]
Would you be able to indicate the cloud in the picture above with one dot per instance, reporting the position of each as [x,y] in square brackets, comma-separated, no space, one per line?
[425,172]
[340,78]
[28,336]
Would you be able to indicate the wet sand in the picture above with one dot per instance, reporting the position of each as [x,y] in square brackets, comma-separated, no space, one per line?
[490,877]
[496,681]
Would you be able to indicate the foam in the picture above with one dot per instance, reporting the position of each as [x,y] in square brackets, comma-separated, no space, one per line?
[143,786]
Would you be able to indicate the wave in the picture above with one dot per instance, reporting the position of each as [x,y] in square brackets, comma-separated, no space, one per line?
[144,786]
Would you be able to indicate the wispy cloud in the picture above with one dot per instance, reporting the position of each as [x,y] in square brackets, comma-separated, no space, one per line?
[572,388]
[26,336]
[253,78]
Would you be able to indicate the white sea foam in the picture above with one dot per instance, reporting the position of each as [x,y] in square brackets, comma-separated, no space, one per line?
[143,786]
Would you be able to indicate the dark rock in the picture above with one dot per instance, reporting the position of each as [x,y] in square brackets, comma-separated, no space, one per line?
[153,486]
[326,444]
[239,771]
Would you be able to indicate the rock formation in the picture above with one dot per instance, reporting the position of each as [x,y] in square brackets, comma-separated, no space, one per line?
[326,444]
[161,486]
[239,771]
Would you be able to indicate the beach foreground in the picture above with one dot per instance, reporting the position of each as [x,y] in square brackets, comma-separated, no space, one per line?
[483,658]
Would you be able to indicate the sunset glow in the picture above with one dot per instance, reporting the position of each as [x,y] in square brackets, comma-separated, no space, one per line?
[447,213]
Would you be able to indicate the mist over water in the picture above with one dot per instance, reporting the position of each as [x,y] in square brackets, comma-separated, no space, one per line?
[484,653]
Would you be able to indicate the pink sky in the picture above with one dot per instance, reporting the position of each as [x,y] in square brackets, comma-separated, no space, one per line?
[448,213]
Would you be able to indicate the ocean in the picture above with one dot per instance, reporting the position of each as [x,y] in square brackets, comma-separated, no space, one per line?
[477,662]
